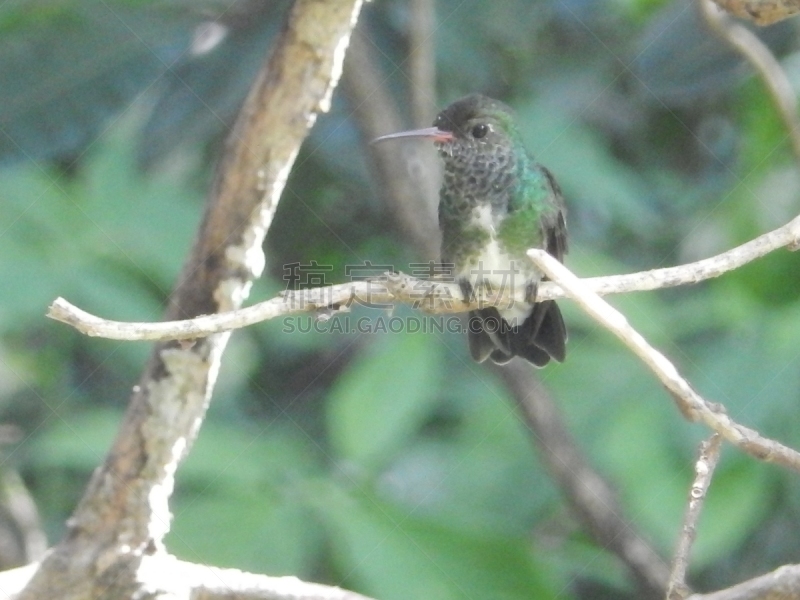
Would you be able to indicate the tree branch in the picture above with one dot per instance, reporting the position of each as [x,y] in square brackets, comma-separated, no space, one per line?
[405,176]
[203,582]
[704,471]
[691,404]
[433,296]
[443,297]
[746,43]
[124,513]
[762,12]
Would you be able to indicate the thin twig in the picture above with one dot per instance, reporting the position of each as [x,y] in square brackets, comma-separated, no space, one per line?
[763,61]
[435,297]
[704,471]
[690,403]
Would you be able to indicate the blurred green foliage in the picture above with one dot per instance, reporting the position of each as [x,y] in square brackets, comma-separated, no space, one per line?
[390,463]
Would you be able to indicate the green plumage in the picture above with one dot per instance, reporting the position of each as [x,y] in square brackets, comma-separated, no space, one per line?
[496,203]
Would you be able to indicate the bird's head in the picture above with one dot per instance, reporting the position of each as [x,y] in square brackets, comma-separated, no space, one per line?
[474,124]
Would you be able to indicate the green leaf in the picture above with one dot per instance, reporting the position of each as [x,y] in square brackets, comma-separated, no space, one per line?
[583,165]
[104,239]
[378,404]
[68,69]
[239,455]
[78,442]
[258,528]
[638,450]
[243,479]
[393,554]
[749,368]
[580,554]
[144,224]
[499,487]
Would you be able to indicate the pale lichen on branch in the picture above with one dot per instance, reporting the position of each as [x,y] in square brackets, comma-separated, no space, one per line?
[762,12]
[432,296]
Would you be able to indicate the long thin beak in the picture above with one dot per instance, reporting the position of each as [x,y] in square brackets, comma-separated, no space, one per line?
[434,133]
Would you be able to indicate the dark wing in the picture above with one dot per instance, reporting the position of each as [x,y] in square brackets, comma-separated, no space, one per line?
[554,222]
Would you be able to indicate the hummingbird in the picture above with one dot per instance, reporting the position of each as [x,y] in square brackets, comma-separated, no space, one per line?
[495,203]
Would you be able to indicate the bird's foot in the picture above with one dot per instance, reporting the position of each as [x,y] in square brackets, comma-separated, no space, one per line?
[530,292]
[467,291]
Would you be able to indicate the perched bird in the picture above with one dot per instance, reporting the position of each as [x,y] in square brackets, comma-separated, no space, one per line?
[494,204]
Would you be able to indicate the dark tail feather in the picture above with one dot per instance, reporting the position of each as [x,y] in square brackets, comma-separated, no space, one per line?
[481,344]
[541,337]
[547,331]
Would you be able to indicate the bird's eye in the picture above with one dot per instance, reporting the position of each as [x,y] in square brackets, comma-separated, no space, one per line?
[480,130]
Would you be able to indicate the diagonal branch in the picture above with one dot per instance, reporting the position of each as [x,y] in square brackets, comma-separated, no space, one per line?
[747,43]
[406,178]
[437,297]
[691,404]
[124,513]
